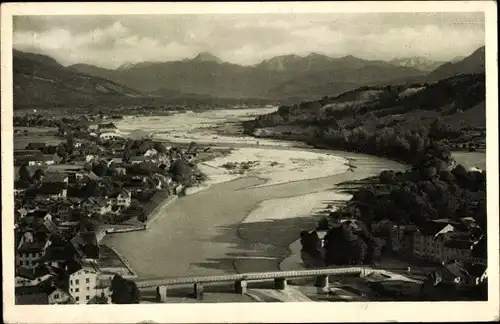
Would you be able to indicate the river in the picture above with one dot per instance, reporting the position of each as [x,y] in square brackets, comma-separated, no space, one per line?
[240,223]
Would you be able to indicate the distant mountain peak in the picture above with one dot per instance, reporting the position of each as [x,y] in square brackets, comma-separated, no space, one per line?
[125,66]
[350,57]
[207,57]
[417,62]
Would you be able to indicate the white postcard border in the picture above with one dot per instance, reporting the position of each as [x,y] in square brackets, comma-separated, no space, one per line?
[250,312]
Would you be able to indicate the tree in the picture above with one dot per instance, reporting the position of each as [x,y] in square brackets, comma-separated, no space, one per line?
[182,172]
[323,224]
[70,144]
[124,291]
[160,148]
[102,299]
[38,175]
[25,174]
[61,150]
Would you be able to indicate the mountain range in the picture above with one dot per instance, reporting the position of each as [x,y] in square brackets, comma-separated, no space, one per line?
[39,78]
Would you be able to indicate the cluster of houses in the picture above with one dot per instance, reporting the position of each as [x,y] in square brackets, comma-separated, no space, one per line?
[441,241]
[57,263]
[457,248]
[60,210]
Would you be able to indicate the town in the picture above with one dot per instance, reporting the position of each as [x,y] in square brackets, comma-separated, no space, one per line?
[317,157]
[70,193]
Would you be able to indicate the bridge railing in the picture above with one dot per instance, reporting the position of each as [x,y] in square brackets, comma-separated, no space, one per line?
[252,276]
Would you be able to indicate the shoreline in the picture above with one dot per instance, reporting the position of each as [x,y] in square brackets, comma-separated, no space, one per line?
[262,189]
[282,249]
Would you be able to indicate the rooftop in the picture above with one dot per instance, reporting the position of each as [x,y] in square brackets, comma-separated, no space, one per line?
[51,188]
[55,177]
[85,243]
[35,246]
[32,274]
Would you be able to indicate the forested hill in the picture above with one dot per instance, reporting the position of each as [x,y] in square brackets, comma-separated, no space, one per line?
[401,122]
[40,80]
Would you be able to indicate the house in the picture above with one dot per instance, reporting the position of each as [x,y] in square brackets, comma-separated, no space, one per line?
[42,294]
[114,161]
[115,147]
[480,251]
[103,291]
[87,176]
[62,209]
[51,190]
[55,177]
[459,273]
[58,295]
[91,176]
[109,135]
[107,127]
[97,205]
[121,198]
[29,157]
[121,171]
[82,280]
[86,245]
[449,243]
[35,146]
[141,159]
[401,238]
[32,277]
[50,159]
[57,256]
[428,241]
[31,248]
[151,152]
[164,159]
[89,158]
[457,250]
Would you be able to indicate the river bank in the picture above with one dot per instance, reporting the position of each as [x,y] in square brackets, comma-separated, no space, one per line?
[239,221]
[213,231]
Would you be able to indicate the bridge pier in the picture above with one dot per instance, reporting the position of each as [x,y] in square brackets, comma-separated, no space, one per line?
[240,286]
[322,283]
[161,294]
[280,283]
[198,291]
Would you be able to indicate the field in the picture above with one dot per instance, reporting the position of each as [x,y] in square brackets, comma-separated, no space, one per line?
[25,135]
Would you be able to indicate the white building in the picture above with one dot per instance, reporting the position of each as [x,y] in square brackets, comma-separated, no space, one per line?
[30,250]
[110,135]
[124,199]
[151,152]
[85,283]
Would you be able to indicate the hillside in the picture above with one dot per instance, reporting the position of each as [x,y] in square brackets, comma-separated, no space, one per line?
[473,63]
[344,78]
[387,120]
[40,81]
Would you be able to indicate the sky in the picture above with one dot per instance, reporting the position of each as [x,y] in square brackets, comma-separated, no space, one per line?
[246,39]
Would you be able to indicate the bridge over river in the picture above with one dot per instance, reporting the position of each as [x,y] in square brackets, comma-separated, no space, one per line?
[241,280]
